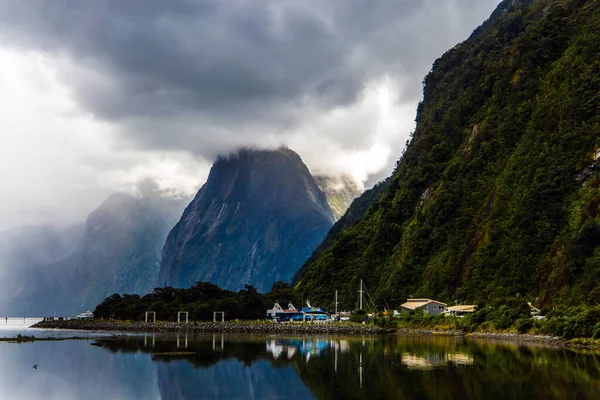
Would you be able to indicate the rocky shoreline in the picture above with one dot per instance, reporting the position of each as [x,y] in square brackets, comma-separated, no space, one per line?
[300,328]
[209,327]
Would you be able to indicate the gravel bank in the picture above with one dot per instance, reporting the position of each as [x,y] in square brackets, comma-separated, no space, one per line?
[232,327]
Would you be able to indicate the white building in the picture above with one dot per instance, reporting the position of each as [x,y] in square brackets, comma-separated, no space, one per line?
[85,315]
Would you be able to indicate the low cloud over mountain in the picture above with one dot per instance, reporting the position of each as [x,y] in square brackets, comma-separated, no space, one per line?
[98,95]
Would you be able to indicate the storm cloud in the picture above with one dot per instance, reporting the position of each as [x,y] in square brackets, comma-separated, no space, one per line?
[178,82]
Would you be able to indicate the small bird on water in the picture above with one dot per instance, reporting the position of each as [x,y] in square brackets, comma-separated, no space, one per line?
[35,366]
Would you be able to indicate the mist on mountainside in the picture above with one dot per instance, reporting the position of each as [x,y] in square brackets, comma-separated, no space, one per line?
[340,192]
[26,251]
[119,252]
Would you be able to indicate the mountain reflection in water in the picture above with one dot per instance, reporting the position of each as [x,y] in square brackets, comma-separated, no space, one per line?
[225,366]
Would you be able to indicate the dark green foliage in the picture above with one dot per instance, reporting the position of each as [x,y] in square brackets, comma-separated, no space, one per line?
[498,192]
[385,321]
[357,210]
[421,320]
[572,322]
[505,315]
[201,300]
[279,285]
[501,314]
[524,325]
[358,316]
[596,331]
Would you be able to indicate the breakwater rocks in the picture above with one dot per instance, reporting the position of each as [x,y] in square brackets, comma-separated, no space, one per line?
[229,327]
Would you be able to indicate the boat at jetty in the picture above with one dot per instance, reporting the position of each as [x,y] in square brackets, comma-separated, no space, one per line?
[308,313]
[84,315]
[311,313]
[277,313]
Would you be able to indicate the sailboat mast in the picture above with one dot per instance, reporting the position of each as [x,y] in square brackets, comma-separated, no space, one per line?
[360,295]
[336,302]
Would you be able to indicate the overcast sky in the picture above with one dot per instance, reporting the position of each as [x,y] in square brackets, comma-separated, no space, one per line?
[96,95]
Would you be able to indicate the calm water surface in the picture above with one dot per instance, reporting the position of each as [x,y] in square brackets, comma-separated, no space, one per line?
[290,367]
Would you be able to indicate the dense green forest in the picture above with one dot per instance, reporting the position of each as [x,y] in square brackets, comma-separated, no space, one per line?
[498,193]
[355,211]
[200,301]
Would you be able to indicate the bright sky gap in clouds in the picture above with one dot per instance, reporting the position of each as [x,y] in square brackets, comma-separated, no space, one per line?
[98,95]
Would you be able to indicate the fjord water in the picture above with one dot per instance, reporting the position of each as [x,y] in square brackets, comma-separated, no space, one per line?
[222,366]
[9,327]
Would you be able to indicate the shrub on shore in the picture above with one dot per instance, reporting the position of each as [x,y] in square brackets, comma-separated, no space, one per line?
[567,323]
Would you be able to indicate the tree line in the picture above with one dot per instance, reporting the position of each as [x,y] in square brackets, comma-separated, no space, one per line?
[200,301]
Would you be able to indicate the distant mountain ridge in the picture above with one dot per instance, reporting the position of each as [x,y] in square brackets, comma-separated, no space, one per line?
[118,253]
[255,221]
[27,250]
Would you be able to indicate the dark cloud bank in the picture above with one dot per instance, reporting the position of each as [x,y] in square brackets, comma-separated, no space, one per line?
[211,75]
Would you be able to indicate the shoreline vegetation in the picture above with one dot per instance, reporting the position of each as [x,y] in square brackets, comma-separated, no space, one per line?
[578,325]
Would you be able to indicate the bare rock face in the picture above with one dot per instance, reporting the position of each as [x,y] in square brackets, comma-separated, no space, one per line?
[255,221]
[340,193]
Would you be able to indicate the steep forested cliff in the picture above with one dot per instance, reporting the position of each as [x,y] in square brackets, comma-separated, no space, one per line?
[354,212]
[498,192]
[255,221]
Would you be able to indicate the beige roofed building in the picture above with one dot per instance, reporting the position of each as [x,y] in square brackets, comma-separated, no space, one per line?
[534,310]
[458,311]
[428,306]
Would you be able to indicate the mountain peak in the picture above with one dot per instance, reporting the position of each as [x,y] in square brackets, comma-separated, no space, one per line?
[255,221]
